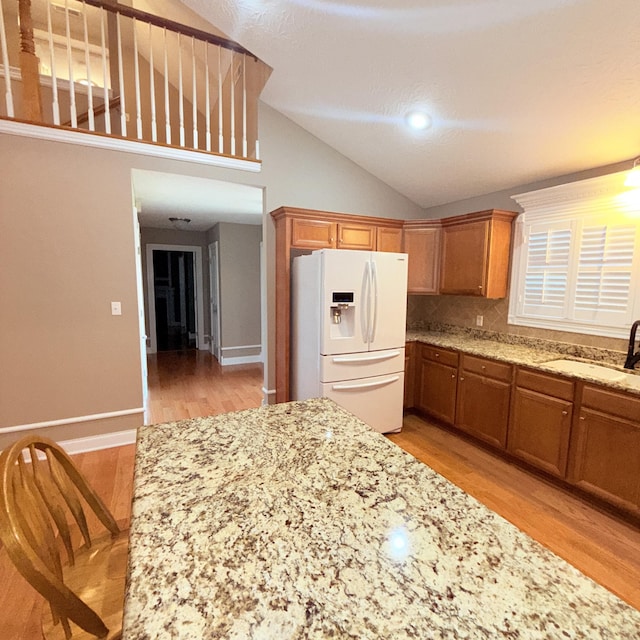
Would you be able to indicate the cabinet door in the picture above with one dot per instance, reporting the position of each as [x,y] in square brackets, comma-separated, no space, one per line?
[464,258]
[389,239]
[313,234]
[436,394]
[483,407]
[356,236]
[409,374]
[539,430]
[605,458]
[423,247]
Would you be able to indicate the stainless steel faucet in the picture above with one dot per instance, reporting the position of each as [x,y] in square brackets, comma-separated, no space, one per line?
[632,358]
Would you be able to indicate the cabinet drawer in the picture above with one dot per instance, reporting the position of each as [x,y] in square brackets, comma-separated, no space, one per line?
[361,365]
[545,383]
[444,356]
[617,404]
[489,368]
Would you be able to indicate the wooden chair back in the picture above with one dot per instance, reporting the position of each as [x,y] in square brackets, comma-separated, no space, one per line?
[43,502]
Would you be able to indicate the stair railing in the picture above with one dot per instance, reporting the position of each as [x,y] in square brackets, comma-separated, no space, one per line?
[112,69]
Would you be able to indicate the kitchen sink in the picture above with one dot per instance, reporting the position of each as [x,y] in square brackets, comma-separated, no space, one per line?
[597,371]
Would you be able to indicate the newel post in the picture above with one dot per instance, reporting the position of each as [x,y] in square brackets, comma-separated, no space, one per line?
[29,63]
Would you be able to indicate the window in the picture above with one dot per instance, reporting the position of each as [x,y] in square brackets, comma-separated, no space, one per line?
[577,258]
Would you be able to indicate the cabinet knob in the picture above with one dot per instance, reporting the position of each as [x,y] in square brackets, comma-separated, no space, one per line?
[565,413]
[453,375]
[582,417]
[461,379]
[483,367]
[437,355]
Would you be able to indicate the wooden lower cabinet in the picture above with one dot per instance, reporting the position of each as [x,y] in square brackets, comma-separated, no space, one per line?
[437,377]
[484,393]
[540,424]
[605,447]
[581,433]
[409,374]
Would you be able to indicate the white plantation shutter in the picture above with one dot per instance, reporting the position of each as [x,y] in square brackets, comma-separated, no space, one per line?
[546,273]
[579,274]
[576,258]
[605,272]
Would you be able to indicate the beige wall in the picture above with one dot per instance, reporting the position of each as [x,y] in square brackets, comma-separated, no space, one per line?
[239,265]
[503,199]
[67,251]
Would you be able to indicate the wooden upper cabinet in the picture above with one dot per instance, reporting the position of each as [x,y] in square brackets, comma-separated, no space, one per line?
[475,253]
[313,234]
[389,239]
[352,235]
[423,246]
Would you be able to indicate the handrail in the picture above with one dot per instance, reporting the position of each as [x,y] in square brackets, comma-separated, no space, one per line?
[171,25]
[98,111]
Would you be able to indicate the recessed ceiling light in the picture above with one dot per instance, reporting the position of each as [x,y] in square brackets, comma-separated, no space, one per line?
[418,120]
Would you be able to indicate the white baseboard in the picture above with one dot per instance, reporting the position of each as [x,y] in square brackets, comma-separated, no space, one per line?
[102,441]
[225,360]
[248,359]
[91,443]
[74,420]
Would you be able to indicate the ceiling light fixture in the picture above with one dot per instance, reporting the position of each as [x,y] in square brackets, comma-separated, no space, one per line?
[180,223]
[418,120]
[633,177]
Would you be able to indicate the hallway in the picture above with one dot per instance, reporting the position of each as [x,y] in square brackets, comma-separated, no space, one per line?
[191,384]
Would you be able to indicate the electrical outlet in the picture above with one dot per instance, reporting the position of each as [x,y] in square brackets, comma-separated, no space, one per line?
[479,321]
[116,309]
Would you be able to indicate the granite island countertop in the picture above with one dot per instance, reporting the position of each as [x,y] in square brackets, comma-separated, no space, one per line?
[298,521]
[530,352]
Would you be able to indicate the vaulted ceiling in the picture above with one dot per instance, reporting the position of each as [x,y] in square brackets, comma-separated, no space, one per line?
[517,90]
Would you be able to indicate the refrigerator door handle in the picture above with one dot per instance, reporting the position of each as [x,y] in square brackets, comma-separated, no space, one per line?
[372,358]
[365,315]
[365,385]
[374,287]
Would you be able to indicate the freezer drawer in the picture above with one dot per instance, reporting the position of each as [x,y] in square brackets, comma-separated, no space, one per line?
[348,366]
[376,401]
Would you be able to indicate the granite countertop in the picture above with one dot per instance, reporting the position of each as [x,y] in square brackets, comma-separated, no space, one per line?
[530,352]
[298,521]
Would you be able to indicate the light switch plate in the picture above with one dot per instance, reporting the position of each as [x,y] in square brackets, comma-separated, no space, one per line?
[116,309]
[479,321]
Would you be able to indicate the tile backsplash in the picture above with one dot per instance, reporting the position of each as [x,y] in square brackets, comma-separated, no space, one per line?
[461,311]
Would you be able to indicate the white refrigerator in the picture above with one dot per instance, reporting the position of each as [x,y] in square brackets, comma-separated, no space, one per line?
[348,332]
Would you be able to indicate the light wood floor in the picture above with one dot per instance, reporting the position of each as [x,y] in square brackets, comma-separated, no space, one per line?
[191,384]
[605,548]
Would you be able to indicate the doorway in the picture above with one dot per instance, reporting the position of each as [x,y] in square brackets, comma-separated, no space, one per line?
[174,297]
